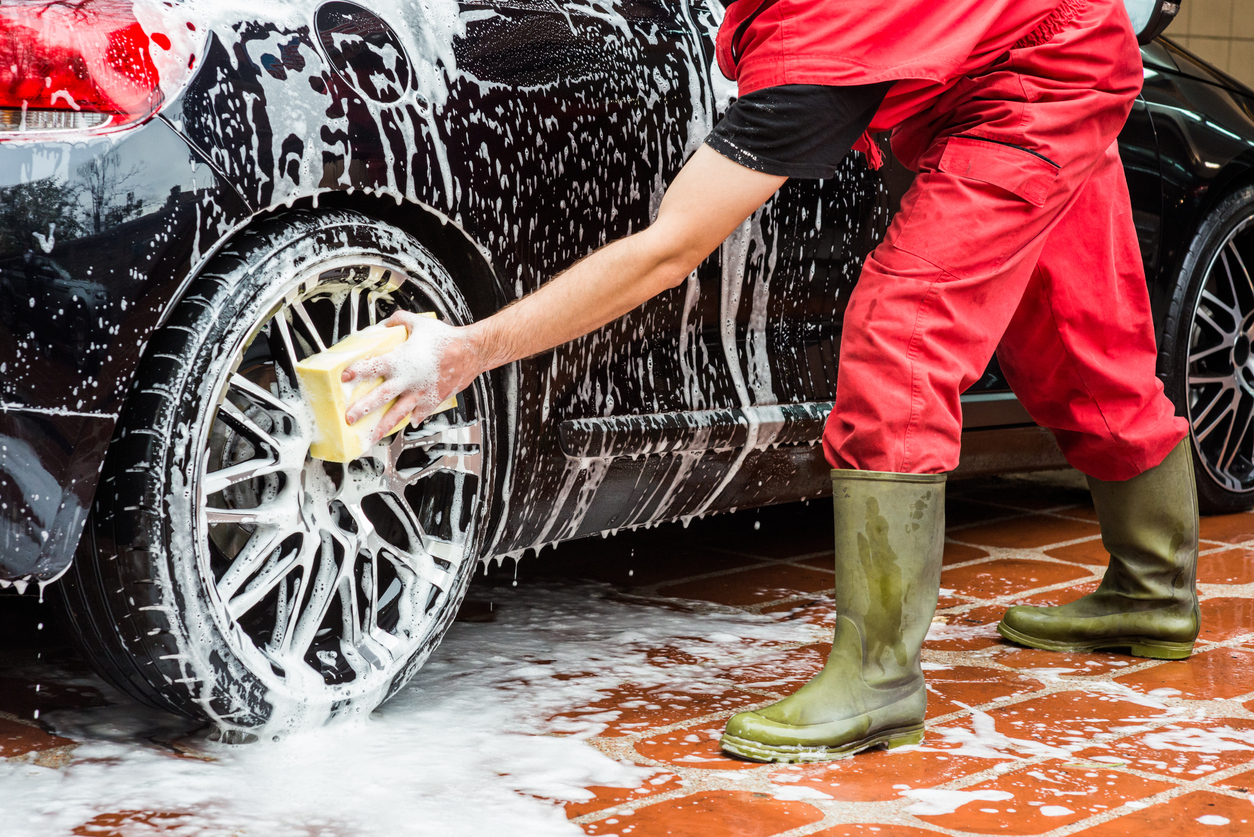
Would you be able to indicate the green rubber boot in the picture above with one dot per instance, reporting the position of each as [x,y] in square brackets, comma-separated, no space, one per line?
[1147,601]
[890,533]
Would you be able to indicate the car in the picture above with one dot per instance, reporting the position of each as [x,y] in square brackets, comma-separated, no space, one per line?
[194,196]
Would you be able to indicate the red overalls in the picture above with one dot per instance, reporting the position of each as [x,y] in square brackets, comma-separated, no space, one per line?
[1018,228]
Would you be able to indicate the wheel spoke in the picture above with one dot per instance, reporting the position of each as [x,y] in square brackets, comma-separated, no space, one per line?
[314,334]
[1206,317]
[279,324]
[254,554]
[455,461]
[240,517]
[470,433]
[1245,273]
[259,395]
[234,418]
[1233,444]
[1226,344]
[1227,381]
[350,616]
[420,565]
[322,590]
[1200,430]
[224,478]
[276,568]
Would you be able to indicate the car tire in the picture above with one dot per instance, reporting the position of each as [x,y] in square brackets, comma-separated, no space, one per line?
[1206,361]
[227,575]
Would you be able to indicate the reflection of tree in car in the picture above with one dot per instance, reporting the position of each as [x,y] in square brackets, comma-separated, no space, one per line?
[106,184]
[35,214]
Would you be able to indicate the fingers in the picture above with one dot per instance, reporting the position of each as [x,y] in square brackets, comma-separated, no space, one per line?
[368,368]
[371,401]
[402,318]
[404,406]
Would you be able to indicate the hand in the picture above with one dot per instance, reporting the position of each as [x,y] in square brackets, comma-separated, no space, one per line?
[435,361]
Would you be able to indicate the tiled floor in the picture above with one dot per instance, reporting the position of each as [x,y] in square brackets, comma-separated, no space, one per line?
[1019,741]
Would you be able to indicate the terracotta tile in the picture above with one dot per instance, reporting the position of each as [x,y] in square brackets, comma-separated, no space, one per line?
[1072,665]
[761,584]
[610,797]
[1006,576]
[974,685]
[1220,673]
[1185,750]
[23,697]
[873,830]
[1028,532]
[1068,719]
[1242,782]
[630,709]
[1086,552]
[878,775]
[959,512]
[1232,566]
[127,823]
[727,813]
[1062,595]
[16,739]
[1044,797]
[1190,815]
[957,553]
[1228,528]
[1225,618]
[946,601]
[970,631]
[938,706]
[694,746]
[820,610]
[782,671]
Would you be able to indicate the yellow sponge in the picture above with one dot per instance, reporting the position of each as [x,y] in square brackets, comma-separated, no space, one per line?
[329,397]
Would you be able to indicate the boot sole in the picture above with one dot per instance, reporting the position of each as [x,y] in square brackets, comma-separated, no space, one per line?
[1138,646]
[797,754]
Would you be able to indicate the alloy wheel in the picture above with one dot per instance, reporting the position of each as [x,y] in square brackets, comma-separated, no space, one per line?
[1220,377]
[332,575]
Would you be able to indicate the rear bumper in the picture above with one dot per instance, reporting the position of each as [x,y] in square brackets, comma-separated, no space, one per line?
[49,464]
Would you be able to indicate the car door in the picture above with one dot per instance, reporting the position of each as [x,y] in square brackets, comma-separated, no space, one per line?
[591,109]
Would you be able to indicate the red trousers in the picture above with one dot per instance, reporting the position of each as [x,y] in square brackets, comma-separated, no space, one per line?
[1018,230]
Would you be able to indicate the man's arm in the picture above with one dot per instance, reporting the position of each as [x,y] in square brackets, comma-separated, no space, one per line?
[709,198]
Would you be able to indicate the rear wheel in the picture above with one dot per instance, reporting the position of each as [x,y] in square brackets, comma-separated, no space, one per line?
[226,573]
[1207,352]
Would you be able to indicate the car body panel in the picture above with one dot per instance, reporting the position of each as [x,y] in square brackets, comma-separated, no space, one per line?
[513,137]
[78,299]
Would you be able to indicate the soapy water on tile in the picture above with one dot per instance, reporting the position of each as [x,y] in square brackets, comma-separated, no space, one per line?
[460,750]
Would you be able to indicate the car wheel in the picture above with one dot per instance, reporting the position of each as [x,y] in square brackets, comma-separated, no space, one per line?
[225,573]
[1206,351]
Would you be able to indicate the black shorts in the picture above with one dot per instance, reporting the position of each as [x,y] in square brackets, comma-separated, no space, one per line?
[796,130]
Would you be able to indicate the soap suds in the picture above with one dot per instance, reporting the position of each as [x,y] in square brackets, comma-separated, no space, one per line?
[467,746]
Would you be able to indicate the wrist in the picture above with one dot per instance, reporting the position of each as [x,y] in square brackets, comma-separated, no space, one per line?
[475,348]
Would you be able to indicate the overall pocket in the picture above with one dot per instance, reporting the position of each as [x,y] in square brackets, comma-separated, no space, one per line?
[978,207]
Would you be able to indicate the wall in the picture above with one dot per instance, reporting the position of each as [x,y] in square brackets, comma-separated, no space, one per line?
[1221,31]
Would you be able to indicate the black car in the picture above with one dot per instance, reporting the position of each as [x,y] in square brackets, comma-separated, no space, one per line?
[193,200]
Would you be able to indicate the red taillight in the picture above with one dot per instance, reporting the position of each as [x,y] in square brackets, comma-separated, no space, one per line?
[68,66]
